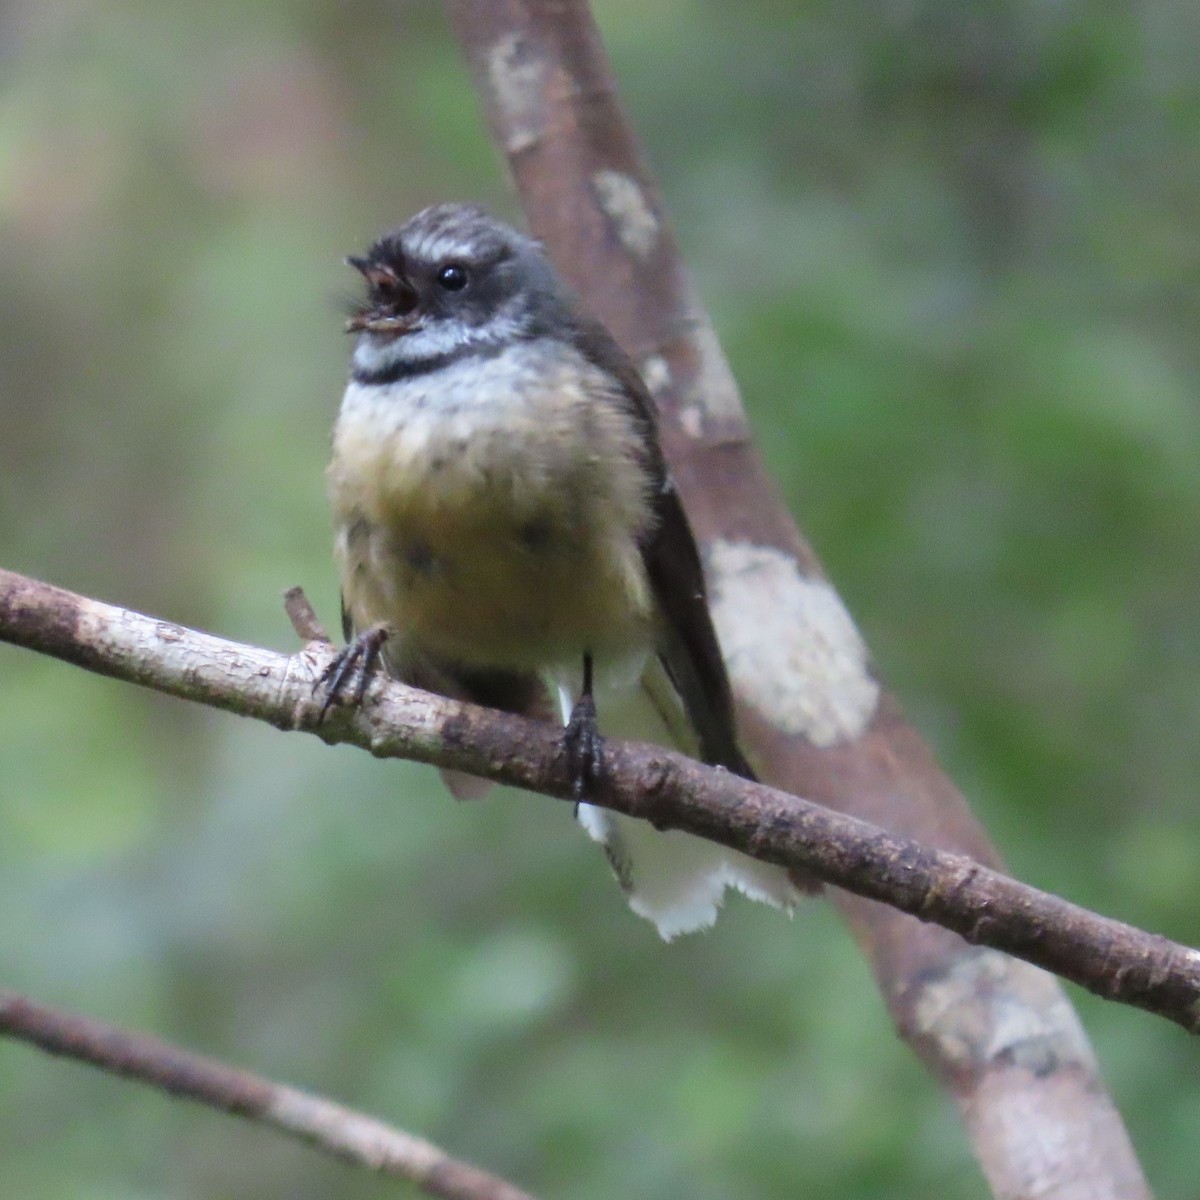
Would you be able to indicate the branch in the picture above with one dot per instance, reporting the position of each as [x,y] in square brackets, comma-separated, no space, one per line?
[1000,1038]
[1113,960]
[341,1132]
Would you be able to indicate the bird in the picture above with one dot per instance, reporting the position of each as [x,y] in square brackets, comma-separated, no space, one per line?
[506,532]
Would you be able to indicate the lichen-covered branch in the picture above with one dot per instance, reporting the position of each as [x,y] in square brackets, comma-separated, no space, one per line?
[332,1128]
[1001,1039]
[1113,960]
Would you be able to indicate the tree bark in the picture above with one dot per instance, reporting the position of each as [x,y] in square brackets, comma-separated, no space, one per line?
[1000,1036]
[332,1128]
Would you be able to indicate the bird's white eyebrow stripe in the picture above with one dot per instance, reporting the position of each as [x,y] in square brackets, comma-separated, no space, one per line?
[437,246]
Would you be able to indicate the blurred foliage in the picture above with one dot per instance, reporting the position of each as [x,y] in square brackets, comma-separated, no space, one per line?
[951,248]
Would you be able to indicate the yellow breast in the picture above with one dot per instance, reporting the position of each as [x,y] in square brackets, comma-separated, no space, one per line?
[493,525]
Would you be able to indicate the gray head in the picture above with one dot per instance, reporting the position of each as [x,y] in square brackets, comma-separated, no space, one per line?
[451,280]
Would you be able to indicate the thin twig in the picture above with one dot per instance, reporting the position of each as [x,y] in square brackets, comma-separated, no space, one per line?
[303,616]
[1114,960]
[322,1124]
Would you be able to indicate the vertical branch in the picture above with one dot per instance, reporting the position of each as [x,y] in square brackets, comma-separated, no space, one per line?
[999,1035]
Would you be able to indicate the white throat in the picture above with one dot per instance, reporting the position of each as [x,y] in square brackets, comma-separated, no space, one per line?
[435,339]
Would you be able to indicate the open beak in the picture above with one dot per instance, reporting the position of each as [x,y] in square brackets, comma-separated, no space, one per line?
[393,309]
[377,322]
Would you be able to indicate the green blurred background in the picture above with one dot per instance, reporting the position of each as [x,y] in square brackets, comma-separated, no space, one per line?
[952,252]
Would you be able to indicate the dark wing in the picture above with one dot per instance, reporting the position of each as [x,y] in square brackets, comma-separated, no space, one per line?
[689,649]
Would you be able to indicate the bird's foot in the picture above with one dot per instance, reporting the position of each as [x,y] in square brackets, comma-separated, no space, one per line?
[584,748]
[360,656]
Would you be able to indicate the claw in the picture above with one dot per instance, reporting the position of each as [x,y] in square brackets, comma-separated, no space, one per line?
[361,656]
[582,743]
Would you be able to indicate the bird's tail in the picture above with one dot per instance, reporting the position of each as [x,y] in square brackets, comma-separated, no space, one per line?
[671,878]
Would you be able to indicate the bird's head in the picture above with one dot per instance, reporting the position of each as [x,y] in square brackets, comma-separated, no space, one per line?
[452,278]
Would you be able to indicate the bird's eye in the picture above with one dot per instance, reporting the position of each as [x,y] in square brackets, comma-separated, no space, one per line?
[452,277]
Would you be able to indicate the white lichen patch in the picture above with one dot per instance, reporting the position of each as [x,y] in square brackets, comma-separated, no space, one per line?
[624,202]
[989,1006]
[656,373]
[792,649]
[691,420]
[716,388]
[516,76]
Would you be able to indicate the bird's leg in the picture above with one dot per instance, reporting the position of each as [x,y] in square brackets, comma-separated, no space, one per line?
[361,655]
[581,739]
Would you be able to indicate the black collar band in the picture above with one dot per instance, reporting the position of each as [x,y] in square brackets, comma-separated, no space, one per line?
[413,368]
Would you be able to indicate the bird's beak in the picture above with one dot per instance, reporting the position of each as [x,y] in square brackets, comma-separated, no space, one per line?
[379,277]
[374,322]
[393,300]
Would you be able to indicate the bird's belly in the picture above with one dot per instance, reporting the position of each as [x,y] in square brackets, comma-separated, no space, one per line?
[493,526]
[481,571]
[512,591]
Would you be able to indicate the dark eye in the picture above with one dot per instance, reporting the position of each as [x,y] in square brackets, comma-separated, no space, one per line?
[452,277]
